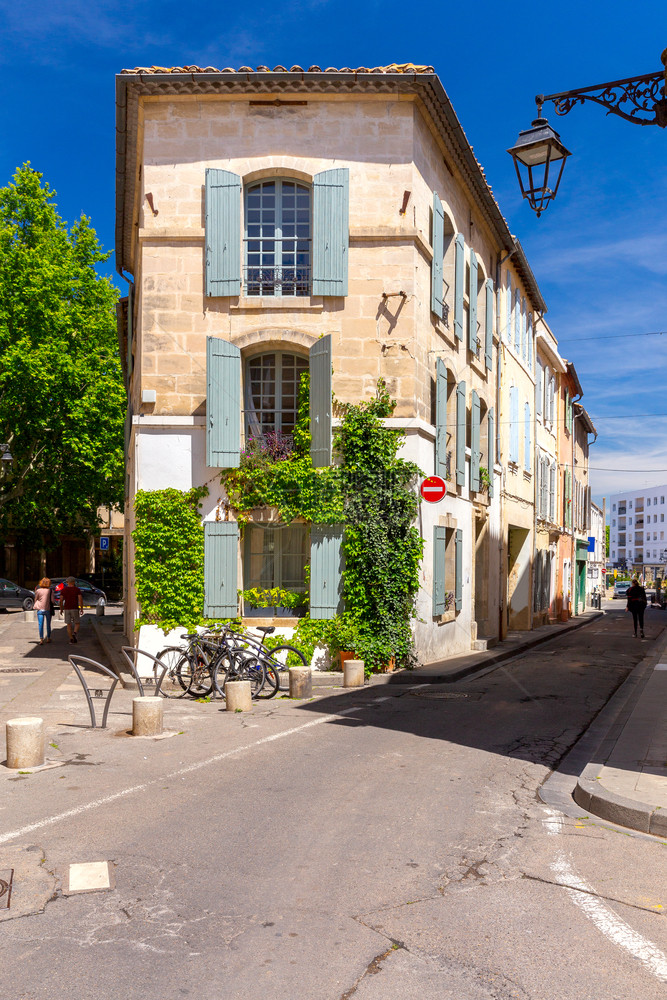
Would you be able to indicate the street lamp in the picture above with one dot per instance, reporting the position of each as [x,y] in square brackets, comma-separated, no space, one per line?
[641,100]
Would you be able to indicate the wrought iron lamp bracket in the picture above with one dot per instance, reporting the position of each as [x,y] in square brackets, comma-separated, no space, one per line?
[645,95]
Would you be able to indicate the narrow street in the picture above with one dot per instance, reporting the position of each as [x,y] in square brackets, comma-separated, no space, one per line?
[377,844]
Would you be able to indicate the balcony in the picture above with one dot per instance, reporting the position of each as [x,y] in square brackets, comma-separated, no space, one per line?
[621,510]
[278,281]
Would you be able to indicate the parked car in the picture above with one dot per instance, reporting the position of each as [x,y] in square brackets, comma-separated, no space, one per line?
[621,588]
[93,597]
[13,596]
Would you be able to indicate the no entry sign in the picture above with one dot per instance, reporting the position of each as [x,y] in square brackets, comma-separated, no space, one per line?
[433,489]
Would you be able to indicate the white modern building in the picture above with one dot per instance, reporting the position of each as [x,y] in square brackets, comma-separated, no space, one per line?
[637,529]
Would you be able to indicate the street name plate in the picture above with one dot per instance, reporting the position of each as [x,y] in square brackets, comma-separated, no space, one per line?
[6,878]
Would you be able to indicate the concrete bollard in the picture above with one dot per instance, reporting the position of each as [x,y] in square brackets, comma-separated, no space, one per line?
[25,742]
[300,682]
[147,716]
[238,696]
[353,673]
[29,616]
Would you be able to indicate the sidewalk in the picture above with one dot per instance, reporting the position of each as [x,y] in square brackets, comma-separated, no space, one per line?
[626,782]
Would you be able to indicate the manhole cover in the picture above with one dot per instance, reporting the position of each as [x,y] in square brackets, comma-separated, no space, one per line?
[6,877]
[19,670]
[444,695]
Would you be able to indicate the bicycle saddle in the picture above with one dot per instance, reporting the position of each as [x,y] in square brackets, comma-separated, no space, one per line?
[267,629]
[190,635]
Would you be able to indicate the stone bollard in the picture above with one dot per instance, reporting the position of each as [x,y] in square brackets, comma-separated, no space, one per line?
[147,715]
[353,673]
[300,682]
[29,616]
[25,742]
[238,696]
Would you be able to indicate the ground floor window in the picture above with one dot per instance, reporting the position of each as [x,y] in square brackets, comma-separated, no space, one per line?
[274,556]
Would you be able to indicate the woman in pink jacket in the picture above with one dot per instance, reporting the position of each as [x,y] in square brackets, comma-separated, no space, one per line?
[44,608]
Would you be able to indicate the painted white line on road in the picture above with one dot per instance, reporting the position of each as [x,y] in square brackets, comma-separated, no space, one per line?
[386,697]
[611,925]
[554,824]
[105,800]
[660,666]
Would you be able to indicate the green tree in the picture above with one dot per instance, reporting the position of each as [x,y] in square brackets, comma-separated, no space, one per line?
[62,399]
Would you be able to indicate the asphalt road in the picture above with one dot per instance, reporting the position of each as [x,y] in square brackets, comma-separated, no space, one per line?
[381,844]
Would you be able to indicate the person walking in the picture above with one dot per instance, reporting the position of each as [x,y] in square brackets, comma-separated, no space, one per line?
[71,600]
[637,602]
[44,608]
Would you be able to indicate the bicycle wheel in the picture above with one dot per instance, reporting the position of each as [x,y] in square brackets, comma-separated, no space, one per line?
[172,685]
[249,667]
[283,657]
[194,676]
[271,685]
[222,669]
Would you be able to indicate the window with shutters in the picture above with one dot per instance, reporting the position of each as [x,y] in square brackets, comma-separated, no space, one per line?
[443,267]
[272,394]
[274,556]
[509,300]
[446,584]
[278,238]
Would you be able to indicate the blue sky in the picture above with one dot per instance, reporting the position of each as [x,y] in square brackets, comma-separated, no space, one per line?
[600,251]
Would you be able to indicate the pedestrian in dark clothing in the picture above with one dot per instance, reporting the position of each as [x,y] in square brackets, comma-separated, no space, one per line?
[636,596]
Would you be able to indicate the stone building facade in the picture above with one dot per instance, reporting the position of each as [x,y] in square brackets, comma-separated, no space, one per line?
[274,222]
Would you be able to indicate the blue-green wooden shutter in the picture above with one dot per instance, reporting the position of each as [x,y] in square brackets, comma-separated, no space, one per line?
[331,231]
[459,284]
[488,326]
[440,419]
[490,422]
[514,424]
[437,297]
[223,404]
[474,442]
[508,309]
[223,232]
[539,391]
[320,402]
[472,305]
[526,441]
[439,556]
[458,569]
[530,339]
[461,434]
[326,570]
[221,551]
[517,320]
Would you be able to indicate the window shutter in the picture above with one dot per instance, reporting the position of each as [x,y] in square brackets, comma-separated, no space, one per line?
[440,419]
[320,402]
[526,433]
[567,409]
[439,553]
[552,400]
[223,232]
[552,492]
[326,570]
[221,551]
[514,424]
[538,390]
[458,569]
[472,307]
[508,306]
[437,297]
[459,282]
[517,321]
[461,434]
[223,404]
[474,441]
[488,326]
[331,232]
[490,435]
[530,340]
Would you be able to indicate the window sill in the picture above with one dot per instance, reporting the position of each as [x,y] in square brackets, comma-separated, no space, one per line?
[278,622]
[305,303]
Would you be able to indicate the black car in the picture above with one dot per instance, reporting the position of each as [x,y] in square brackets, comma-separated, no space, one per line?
[93,597]
[13,596]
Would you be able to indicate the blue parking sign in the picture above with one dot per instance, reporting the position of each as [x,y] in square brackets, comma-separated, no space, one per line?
[104,544]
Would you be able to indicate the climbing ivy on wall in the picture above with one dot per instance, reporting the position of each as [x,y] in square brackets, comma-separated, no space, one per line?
[169,557]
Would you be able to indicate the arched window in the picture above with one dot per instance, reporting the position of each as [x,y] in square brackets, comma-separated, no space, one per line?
[278,236]
[272,393]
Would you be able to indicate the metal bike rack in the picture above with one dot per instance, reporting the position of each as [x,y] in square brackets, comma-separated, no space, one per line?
[130,653]
[75,661]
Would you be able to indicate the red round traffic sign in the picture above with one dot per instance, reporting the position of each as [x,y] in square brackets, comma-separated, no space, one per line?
[433,489]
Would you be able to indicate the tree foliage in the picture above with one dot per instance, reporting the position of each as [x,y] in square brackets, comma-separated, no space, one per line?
[62,399]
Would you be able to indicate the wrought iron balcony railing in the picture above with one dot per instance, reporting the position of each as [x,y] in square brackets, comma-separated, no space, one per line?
[288,281]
